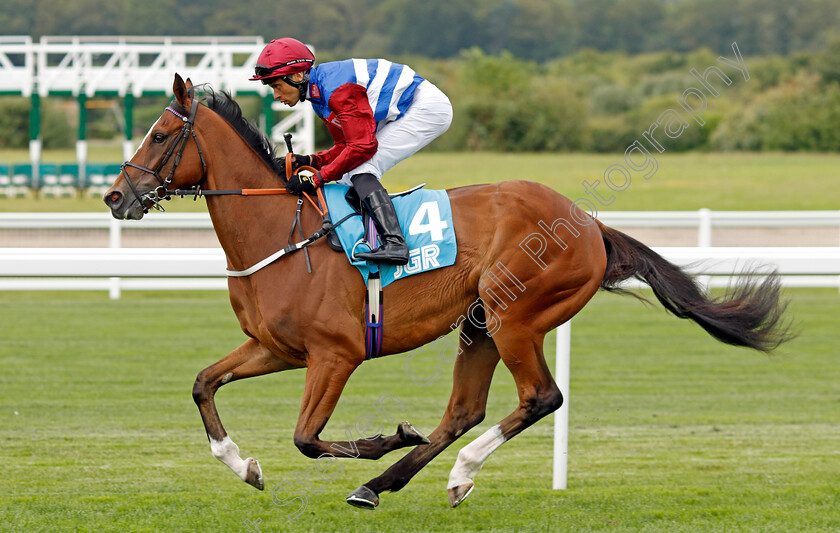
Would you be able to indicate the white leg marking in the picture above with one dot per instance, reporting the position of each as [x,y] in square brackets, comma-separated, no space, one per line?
[227,452]
[472,456]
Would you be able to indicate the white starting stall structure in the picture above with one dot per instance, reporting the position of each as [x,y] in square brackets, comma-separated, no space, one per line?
[125,68]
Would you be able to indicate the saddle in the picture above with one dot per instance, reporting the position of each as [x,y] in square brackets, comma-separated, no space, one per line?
[358,207]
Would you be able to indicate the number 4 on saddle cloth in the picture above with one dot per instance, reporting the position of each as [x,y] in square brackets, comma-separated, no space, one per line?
[426,221]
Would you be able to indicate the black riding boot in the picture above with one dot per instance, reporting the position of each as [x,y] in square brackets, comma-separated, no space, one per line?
[393,250]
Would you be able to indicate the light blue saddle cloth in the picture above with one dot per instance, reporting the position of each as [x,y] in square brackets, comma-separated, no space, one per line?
[426,220]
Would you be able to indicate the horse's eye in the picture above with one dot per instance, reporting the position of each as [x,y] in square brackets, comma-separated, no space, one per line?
[158,138]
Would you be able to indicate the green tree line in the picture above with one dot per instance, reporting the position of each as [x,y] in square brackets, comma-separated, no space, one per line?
[535,30]
[603,102]
[588,101]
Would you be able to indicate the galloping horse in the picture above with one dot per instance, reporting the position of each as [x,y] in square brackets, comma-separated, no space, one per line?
[294,319]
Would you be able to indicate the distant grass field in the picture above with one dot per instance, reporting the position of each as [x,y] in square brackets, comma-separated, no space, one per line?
[670,430]
[723,181]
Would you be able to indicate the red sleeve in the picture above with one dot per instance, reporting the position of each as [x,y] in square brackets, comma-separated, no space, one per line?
[353,130]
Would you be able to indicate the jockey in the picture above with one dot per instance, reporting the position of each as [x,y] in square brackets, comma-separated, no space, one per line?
[378,114]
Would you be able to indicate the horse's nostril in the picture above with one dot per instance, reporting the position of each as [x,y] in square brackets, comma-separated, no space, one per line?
[114,197]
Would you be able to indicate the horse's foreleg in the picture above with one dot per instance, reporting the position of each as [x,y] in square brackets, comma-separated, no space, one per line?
[472,374]
[324,384]
[250,359]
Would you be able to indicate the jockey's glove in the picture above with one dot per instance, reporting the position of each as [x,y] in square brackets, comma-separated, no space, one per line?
[298,183]
[299,161]
[303,161]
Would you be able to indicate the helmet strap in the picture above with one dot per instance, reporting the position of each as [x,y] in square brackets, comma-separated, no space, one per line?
[300,85]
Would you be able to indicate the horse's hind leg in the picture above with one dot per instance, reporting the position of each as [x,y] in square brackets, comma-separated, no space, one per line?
[538,396]
[471,382]
[250,359]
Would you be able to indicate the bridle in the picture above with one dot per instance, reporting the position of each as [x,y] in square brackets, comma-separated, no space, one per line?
[160,192]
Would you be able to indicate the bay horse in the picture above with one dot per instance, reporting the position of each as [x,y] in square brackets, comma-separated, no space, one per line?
[294,319]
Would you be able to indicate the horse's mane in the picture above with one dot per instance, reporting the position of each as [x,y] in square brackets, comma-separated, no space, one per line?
[226,107]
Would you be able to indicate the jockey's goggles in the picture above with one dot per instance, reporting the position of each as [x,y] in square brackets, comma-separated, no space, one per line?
[262,71]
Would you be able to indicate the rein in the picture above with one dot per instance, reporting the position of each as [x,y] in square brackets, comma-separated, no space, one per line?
[197,192]
[162,192]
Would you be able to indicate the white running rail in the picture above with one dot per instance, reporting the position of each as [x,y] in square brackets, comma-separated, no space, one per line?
[116,268]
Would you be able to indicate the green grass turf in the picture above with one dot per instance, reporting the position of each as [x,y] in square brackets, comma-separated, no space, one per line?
[722,181]
[670,430]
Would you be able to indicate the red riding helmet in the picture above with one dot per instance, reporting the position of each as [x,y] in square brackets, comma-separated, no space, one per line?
[282,57]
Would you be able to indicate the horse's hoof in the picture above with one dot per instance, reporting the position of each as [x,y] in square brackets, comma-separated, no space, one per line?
[410,435]
[363,498]
[254,477]
[460,493]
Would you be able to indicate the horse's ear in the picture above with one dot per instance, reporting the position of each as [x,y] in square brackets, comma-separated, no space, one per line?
[181,91]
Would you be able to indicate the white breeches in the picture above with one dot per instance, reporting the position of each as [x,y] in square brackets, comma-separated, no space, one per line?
[428,116]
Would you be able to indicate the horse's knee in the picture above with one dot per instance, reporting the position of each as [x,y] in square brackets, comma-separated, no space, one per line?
[206,385]
[201,389]
[307,446]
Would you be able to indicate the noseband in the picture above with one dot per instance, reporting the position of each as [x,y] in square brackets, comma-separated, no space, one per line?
[160,192]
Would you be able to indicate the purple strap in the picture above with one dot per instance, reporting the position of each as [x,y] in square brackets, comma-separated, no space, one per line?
[373,335]
[373,330]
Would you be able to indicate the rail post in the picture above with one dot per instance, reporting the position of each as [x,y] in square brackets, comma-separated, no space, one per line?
[561,415]
[114,241]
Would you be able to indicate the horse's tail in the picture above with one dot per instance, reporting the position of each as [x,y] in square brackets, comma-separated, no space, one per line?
[750,314]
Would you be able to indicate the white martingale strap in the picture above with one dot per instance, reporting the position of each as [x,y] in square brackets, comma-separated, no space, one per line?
[262,264]
[287,250]
[273,257]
